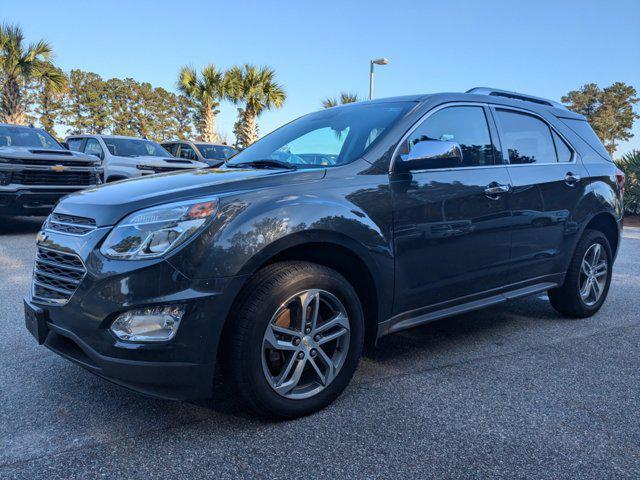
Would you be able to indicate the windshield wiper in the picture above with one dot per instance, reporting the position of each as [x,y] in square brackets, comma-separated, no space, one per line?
[266,163]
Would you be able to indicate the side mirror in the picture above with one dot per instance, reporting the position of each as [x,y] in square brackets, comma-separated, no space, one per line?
[65,145]
[112,149]
[432,154]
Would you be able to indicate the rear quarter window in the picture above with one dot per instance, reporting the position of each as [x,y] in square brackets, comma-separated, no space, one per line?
[586,133]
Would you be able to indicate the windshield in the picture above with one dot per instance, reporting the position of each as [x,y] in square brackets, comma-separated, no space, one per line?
[216,152]
[326,138]
[15,136]
[135,147]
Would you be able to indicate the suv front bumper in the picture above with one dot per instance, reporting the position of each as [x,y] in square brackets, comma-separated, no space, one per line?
[179,369]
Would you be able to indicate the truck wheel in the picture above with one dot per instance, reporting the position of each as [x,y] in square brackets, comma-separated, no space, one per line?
[587,281]
[294,339]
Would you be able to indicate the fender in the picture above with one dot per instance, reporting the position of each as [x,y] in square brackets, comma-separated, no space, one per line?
[251,229]
[599,198]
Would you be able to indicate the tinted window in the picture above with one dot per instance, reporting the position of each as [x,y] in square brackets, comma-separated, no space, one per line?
[134,147]
[586,133]
[527,139]
[216,152]
[74,144]
[334,136]
[15,136]
[172,148]
[563,151]
[466,126]
[92,147]
[187,152]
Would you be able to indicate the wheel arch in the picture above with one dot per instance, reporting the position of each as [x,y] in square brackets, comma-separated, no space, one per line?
[606,223]
[338,252]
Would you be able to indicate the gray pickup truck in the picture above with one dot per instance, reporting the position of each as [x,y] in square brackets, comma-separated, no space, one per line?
[36,171]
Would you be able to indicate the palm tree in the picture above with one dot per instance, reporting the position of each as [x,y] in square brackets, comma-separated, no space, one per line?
[205,91]
[345,98]
[256,88]
[19,66]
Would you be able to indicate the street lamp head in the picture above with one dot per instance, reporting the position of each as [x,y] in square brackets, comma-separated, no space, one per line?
[380,61]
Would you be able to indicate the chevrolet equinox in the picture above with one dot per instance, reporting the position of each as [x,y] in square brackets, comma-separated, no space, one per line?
[340,227]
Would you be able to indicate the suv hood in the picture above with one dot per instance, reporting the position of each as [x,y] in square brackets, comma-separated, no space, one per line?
[29,153]
[109,203]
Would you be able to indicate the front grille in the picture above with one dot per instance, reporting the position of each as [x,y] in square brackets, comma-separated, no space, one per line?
[44,177]
[70,224]
[56,276]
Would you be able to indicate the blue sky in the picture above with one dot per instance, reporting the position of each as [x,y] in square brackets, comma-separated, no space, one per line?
[320,48]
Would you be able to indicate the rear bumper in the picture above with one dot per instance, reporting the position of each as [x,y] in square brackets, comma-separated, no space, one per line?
[30,202]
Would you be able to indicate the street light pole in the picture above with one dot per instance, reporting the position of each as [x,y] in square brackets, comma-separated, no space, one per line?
[377,61]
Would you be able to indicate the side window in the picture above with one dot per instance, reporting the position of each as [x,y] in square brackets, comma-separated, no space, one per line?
[563,151]
[92,147]
[171,148]
[187,152]
[526,138]
[465,125]
[74,144]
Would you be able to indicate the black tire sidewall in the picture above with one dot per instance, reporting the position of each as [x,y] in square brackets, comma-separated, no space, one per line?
[588,240]
[317,277]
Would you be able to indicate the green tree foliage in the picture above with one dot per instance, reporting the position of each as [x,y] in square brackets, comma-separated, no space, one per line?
[125,107]
[49,100]
[19,66]
[256,89]
[87,103]
[205,91]
[630,165]
[609,110]
[345,97]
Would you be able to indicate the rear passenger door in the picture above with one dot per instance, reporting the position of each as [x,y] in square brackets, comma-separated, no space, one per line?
[547,179]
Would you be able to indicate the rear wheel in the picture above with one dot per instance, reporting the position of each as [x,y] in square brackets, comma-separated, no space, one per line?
[295,339]
[587,282]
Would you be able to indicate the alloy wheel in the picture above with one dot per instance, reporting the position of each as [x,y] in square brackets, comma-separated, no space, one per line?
[593,274]
[305,344]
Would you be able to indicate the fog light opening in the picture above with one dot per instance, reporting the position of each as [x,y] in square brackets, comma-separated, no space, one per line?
[152,324]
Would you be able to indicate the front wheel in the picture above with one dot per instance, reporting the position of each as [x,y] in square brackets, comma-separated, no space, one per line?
[294,340]
[587,281]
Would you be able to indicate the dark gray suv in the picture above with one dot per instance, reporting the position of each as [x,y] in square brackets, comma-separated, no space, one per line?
[341,227]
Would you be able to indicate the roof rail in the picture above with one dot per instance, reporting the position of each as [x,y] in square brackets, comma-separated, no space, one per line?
[495,92]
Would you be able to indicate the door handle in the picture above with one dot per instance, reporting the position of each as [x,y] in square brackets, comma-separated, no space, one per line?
[495,189]
[571,179]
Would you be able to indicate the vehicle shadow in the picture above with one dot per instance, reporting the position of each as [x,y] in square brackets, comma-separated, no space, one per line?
[448,340]
[462,333]
[20,225]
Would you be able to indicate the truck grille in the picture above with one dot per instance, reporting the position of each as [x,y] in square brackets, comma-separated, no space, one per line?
[70,224]
[61,161]
[56,276]
[44,177]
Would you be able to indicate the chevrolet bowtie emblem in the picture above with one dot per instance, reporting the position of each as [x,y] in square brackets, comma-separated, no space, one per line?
[58,168]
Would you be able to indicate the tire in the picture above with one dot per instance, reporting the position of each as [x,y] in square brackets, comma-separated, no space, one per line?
[266,313]
[567,299]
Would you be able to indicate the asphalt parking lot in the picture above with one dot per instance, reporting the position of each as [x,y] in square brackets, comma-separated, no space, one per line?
[514,391]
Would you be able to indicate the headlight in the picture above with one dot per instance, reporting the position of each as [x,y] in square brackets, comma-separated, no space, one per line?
[152,232]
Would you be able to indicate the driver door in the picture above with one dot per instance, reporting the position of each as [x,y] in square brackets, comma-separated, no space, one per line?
[452,236]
